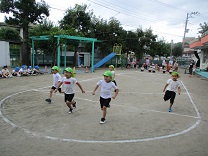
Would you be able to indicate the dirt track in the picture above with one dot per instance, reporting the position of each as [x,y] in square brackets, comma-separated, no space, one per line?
[137,122]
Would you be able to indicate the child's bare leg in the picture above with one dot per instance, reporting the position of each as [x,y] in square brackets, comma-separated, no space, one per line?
[51,92]
[69,104]
[171,105]
[104,111]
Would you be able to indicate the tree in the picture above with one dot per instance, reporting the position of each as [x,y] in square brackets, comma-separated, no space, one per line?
[177,49]
[78,18]
[24,12]
[203,28]
[9,34]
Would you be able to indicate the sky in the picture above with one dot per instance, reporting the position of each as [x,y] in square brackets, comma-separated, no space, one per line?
[166,18]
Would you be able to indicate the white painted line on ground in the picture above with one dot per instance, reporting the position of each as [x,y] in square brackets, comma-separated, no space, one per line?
[105,141]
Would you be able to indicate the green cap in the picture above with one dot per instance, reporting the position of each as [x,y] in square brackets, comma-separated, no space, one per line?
[175,73]
[108,73]
[55,68]
[112,66]
[69,70]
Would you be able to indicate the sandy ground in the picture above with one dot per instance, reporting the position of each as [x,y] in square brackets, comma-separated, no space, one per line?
[137,122]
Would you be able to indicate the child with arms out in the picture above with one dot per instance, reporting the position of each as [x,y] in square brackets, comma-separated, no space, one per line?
[69,91]
[105,94]
[56,79]
[172,86]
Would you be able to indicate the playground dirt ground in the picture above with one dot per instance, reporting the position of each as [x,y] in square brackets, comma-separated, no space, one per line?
[137,122]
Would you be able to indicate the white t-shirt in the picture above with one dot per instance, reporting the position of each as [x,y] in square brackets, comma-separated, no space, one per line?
[173,85]
[56,78]
[29,71]
[5,71]
[164,63]
[23,70]
[106,91]
[69,85]
[113,73]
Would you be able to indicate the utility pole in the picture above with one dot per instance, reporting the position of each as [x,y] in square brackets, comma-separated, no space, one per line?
[189,15]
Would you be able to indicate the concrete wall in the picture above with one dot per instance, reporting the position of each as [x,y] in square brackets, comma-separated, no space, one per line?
[4,54]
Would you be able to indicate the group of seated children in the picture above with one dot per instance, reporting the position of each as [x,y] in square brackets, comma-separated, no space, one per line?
[151,68]
[20,71]
[26,71]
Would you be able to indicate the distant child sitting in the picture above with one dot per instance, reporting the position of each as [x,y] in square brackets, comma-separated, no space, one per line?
[69,91]
[56,79]
[105,94]
[15,71]
[5,72]
[36,70]
[142,68]
[172,86]
[30,70]
[23,71]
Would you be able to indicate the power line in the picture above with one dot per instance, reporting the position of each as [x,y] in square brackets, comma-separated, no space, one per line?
[126,11]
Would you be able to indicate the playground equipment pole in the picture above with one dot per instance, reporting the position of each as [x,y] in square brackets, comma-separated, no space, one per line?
[65,56]
[92,60]
[33,56]
[58,54]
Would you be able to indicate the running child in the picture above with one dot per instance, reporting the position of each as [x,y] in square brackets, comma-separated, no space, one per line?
[112,69]
[69,82]
[56,79]
[105,93]
[172,86]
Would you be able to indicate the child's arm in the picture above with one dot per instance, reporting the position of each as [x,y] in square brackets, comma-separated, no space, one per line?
[165,87]
[96,87]
[59,84]
[179,90]
[116,93]
[78,84]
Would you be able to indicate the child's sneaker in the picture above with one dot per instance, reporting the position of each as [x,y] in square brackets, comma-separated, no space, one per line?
[74,104]
[102,121]
[48,100]
[169,110]
[70,111]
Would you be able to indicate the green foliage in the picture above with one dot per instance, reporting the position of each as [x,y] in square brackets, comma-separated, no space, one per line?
[78,18]
[203,28]
[177,49]
[23,13]
[9,34]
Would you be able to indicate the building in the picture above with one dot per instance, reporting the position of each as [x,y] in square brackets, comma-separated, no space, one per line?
[201,46]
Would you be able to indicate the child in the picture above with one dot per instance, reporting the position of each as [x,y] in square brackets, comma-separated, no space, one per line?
[23,71]
[30,70]
[172,86]
[5,72]
[112,69]
[56,79]
[36,70]
[105,94]
[69,82]
[15,72]
[142,68]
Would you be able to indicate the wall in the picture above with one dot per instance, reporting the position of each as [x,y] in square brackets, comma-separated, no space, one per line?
[4,54]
